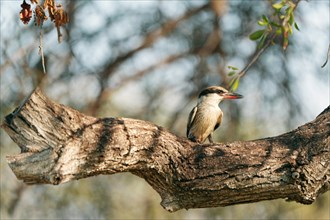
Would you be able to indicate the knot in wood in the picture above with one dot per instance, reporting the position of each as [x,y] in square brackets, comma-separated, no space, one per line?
[295,175]
[55,179]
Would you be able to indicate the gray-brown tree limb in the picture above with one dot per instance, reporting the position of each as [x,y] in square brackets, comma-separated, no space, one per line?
[59,144]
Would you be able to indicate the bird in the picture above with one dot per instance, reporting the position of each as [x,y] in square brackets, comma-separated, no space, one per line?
[206,116]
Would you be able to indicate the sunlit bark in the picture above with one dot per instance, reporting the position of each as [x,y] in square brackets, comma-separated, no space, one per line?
[59,144]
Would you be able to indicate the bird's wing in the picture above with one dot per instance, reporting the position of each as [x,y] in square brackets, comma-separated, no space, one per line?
[218,122]
[191,118]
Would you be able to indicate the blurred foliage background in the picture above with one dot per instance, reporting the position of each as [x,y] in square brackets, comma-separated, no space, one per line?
[148,60]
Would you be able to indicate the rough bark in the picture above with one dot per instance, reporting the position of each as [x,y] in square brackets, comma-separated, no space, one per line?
[59,144]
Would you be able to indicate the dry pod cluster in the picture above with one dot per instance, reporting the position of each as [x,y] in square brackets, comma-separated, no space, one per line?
[56,13]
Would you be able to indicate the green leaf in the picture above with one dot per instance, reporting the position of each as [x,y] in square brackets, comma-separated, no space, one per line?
[289,10]
[275,24]
[256,35]
[262,23]
[290,29]
[291,19]
[279,31]
[264,17]
[232,67]
[234,84]
[296,26]
[231,73]
[262,41]
[278,6]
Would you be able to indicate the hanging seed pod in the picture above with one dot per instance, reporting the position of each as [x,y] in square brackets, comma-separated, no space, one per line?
[50,4]
[61,16]
[40,16]
[26,13]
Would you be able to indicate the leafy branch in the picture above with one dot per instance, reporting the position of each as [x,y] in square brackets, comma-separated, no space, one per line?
[281,24]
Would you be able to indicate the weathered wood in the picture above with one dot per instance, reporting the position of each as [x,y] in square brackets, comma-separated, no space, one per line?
[59,144]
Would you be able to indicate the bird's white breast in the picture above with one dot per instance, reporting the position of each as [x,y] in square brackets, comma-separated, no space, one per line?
[205,120]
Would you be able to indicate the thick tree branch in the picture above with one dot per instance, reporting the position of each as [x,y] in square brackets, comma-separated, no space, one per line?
[59,144]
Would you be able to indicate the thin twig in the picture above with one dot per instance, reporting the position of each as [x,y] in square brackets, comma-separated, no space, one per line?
[256,56]
[59,34]
[328,55]
[252,61]
[41,52]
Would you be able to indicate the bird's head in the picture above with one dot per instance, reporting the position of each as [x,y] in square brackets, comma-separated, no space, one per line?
[217,93]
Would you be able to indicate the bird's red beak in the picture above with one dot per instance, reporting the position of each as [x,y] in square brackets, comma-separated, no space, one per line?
[231,95]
